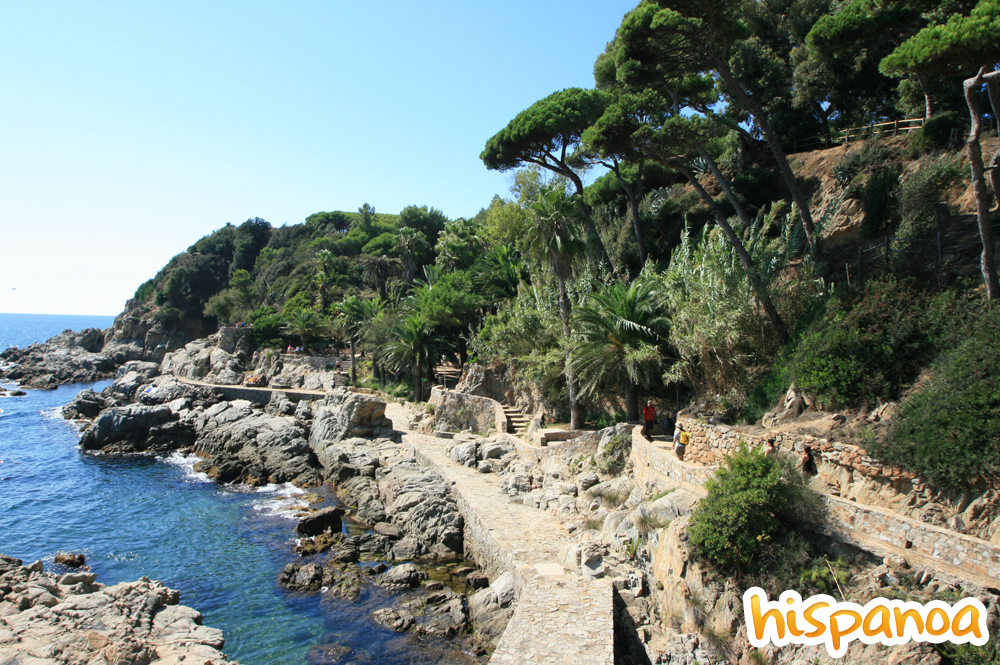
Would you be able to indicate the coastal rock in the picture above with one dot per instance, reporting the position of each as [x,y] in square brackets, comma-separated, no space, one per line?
[205,360]
[137,334]
[441,614]
[327,519]
[72,619]
[131,376]
[71,560]
[342,414]
[301,576]
[88,404]
[343,580]
[69,357]
[240,444]
[403,576]
[492,607]
[420,503]
[137,428]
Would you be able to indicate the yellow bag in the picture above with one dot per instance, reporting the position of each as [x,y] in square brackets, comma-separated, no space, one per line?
[685,438]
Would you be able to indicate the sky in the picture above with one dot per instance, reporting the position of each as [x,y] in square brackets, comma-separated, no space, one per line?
[132,129]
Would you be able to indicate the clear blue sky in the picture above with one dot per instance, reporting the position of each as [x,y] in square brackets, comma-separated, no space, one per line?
[131,129]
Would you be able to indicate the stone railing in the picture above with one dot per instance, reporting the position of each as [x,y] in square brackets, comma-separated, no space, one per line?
[880,531]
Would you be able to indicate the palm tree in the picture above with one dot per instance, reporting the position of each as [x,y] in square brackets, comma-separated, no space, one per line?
[621,330]
[305,323]
[378,270]
[556,238]
[351,315]
[497,274]
[410,242]
[326,276]
[416,343]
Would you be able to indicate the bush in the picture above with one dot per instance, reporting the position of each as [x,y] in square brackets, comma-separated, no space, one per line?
[921,191]
[612,459]
[740,514]
[145,290]
[935,133]
[878,201]
[169,317]
[869,158]
[872,342]
[266,329]
[948,431]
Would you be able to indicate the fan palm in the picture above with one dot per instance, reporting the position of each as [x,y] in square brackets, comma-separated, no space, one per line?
[351,315]
[556,239]
[326,276]
[410,243]
[305,323]
[417,344]
[378,270]
[497,274]
[621,332]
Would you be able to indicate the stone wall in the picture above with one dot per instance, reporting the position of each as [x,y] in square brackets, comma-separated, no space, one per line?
[882,532]
[850,473]
[457,412]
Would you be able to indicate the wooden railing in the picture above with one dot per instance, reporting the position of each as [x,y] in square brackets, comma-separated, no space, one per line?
[845,136]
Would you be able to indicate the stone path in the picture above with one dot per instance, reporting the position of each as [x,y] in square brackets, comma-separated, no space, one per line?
[561,617]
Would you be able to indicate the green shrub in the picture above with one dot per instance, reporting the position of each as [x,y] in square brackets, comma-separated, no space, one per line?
[266,329]
[877,199]
[948,431]
[920,192]
[169,317]
[872,342]
[145,290]
[741,512]
[869,158]
[936,132]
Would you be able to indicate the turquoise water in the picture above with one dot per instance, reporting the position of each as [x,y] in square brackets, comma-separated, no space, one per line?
[221,547]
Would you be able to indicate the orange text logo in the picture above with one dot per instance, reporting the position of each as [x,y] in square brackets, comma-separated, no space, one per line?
[822,620]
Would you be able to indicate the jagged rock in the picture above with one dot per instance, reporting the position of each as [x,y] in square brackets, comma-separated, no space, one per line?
[88,404]
[352,457]
[319,543]
[492,607]
[279,405]
[403,576]
[394,618]
[301,576]
[342,414]
[69,357]
[465,454]
[390,531]
[477,579]
[137,428]
[327,519]
[343,580]
[71,560]
[72,619]
[586,480]
[406,549]
[247,446]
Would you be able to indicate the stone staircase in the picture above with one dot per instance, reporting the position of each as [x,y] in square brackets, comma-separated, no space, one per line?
[517,422]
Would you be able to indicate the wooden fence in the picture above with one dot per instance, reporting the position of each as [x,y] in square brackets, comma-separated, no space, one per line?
[879,253]
[845,136]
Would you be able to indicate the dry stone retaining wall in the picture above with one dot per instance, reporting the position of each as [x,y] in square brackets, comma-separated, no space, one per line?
[887,534]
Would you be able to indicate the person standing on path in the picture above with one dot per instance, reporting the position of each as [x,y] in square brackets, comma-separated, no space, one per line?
[649,419]
[681,440]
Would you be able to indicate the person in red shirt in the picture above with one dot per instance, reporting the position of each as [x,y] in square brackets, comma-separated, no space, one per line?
[649,419]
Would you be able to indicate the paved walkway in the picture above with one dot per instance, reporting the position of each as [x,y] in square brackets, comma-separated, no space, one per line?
[561,617]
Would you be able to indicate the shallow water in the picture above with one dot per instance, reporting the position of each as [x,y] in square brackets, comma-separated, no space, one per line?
[221,547]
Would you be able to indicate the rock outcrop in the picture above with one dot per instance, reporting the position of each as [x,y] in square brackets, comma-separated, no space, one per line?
[48,618]
[69,357]
[342,414]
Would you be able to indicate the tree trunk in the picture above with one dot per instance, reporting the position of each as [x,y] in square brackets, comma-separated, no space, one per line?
[634,195]
[763,297]
[418,388]
[779,155]
[928,100]
[724,183]
[574,407]
[593,237]
[354,370]
[979,182]
[632,402]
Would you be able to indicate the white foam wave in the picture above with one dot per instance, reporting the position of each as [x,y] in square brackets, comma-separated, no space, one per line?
[186,463]
[283,500]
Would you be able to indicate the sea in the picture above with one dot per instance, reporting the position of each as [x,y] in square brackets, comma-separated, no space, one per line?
[222,547]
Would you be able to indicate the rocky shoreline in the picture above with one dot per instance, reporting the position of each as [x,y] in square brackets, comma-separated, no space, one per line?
[48,618]
[406,530]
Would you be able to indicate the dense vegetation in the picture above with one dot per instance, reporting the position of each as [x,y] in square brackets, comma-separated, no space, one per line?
[694,264]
